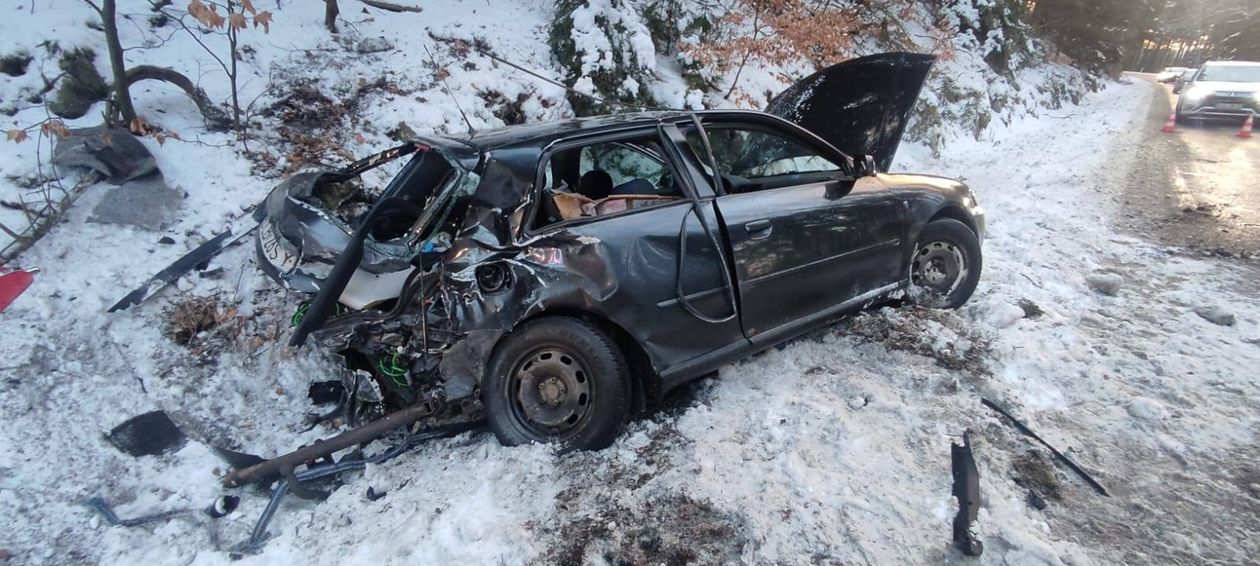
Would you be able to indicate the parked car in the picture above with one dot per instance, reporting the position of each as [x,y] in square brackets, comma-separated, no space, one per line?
[1170,74]
[555,278]
[1221,89]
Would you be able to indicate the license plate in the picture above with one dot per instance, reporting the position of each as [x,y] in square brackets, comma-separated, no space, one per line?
[1230,106]
[278,251]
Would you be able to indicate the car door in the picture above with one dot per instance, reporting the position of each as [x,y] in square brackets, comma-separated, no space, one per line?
[628,265]
[805,243]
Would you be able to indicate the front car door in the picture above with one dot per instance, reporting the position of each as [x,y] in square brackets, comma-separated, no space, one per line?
[806,245]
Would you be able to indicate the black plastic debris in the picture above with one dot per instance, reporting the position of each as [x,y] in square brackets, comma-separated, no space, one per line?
[323,392]
[1036,501]
[223,505]
[149,434]
[967,491]
[1058,455]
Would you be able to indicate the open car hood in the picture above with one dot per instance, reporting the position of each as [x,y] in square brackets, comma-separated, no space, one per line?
[859,106]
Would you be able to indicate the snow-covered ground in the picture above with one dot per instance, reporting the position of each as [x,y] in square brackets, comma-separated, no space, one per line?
[834,448]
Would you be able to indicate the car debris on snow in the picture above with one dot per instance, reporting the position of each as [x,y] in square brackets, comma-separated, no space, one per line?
[1058,455]
[148,434]
[967,491]
[107,512]
[13,281]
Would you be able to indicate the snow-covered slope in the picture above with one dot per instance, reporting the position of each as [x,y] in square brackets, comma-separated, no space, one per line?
[834,448]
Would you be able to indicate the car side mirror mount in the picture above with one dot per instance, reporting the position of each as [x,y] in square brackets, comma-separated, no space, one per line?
[864,166]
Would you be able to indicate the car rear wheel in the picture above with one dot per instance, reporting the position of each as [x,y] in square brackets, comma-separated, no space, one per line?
[945,266]
[557,380]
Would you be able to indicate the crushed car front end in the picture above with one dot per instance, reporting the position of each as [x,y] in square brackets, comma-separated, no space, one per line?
[378,308]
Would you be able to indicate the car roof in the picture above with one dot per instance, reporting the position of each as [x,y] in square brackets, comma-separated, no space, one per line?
[544,132]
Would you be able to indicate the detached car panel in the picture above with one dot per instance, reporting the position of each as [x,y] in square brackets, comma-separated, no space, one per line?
[552,277]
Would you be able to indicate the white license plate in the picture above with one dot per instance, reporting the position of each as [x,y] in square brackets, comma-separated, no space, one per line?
[1230,106]
[278,251]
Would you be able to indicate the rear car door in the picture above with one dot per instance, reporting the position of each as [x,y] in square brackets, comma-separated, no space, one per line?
[805,244]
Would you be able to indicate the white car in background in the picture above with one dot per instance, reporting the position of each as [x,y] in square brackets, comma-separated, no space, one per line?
[1221,89]
[1170,74]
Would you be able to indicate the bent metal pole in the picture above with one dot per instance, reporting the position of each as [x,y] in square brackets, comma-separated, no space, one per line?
[278,465]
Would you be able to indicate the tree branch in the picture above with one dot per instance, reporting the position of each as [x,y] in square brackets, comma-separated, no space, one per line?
[215,117]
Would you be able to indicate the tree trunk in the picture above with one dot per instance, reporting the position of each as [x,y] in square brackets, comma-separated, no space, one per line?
[122,92]
[330,15]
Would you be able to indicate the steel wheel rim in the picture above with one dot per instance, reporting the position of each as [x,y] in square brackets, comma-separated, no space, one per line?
[938,268]
[550,391]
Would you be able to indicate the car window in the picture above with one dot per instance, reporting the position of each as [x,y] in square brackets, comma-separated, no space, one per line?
[604,178]
[754,153]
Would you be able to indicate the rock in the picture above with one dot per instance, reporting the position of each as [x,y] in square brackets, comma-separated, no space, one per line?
[113,152]
[166,240]
[373,45]
[81,87]
[1106,283]
[1216,315]
[858,402]
[143,203]
[1031,309]
[15,65]
[401,133]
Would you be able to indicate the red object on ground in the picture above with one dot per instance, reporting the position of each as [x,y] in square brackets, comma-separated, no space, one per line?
[12,283]
[1171,125]
[1245,131]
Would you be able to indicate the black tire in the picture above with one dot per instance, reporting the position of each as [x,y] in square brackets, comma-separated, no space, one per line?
[557,380]
[945,265]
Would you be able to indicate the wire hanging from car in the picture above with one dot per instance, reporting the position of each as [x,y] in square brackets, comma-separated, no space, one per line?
[447,88]
[554,82]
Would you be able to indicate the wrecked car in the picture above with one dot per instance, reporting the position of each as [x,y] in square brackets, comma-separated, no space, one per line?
[552,279]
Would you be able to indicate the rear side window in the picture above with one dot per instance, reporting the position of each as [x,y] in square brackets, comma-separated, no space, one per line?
[624,163]
[604,178]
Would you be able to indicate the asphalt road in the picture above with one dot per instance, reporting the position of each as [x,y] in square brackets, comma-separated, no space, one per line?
[1198,187]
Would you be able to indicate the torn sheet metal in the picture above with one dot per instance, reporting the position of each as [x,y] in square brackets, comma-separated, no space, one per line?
[182,266]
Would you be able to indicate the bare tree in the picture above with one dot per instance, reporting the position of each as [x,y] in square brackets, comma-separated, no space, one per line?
[330,15]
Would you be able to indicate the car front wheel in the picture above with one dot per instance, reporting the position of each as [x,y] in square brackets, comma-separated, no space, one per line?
[945,266]
[557,380]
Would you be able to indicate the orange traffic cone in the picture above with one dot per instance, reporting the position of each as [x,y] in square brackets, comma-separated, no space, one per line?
[1171,125]
[1245,131]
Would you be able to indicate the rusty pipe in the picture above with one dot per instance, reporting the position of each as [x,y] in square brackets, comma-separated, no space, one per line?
[322,448]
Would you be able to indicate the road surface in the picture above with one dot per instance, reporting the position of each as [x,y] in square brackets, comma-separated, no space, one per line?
[1201,186]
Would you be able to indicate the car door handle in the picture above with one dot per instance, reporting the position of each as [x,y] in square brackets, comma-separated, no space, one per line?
[758,229]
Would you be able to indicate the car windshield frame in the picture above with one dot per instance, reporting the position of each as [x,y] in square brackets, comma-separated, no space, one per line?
[1230,73]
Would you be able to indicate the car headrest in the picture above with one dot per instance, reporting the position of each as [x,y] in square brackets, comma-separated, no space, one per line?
[595,184]
[635,187]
